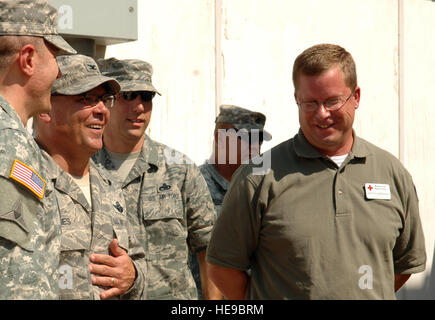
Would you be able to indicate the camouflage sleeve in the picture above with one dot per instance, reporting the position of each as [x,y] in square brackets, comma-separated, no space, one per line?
[19,232]
[199,209]
[29,231]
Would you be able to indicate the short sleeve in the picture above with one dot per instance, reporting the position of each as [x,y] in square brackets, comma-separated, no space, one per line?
[199,208]
[235,234]
[409,252]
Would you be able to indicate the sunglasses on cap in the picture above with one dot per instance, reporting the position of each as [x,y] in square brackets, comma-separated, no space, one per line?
[132,95]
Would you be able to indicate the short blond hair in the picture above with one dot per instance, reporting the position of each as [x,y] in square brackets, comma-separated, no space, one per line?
[322,57]
[10,45]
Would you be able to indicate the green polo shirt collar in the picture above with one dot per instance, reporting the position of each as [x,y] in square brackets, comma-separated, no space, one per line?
[305,150]
[359,148]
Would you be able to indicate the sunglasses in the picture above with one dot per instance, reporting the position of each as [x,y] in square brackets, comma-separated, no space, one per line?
[132,95]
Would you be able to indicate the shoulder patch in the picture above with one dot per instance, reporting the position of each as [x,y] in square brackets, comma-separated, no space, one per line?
[28,178]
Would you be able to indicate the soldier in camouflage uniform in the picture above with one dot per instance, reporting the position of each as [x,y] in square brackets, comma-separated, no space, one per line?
[29,217]
[92,210]
[167,199]
[217,171]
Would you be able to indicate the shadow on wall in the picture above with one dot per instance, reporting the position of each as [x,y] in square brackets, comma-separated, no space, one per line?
[426,292]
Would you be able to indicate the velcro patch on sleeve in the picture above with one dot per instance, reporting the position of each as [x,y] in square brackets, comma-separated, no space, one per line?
[28,178]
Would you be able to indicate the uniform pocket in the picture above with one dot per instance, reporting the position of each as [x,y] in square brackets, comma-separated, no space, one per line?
[17,215]
[162,204]
[13,232]
[74,277]
[165,224]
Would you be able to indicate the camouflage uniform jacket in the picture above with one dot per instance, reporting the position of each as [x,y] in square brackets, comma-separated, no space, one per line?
[29,224]
[173,212]
[218,186]
[87,230]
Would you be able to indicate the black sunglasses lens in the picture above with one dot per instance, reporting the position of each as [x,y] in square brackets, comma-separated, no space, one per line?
[132,95]
[147,95]
[129,96]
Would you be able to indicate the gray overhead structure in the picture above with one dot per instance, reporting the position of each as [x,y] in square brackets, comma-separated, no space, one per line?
[89,26]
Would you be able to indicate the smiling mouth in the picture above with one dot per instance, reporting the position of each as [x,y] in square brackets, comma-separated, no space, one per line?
[96,127]
[325,126]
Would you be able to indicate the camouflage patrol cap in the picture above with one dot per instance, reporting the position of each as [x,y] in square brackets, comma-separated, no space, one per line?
[31,18]
[79,75]
[242,118]
[132,74]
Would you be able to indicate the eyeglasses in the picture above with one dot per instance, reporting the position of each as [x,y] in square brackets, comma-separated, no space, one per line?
[132,95]
[333,104]
[92,99]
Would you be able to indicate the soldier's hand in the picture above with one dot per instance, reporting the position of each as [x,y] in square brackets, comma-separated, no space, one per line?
[116,272]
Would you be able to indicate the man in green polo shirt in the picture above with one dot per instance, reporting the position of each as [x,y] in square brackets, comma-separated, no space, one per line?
[238,136]
[334,217]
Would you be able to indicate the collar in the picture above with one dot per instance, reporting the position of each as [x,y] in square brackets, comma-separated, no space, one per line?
[10,111]
[305,150]
[150,152]
[64,183]
[52,168]
[359,148]
[223,183]
[150,159]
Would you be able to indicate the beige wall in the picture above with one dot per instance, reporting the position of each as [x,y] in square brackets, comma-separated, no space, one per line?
[418,131]
[177,38]
[207,52]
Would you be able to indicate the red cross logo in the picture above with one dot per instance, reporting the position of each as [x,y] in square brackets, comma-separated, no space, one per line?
[370,187]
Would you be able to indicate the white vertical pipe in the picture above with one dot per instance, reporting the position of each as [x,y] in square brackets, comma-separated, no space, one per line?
[218,55]
[401,62]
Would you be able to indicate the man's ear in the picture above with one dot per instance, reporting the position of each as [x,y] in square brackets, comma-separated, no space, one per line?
[357,96]
[44,117]
[26,59]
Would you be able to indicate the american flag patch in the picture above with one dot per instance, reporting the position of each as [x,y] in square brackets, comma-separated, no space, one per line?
[28,177]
